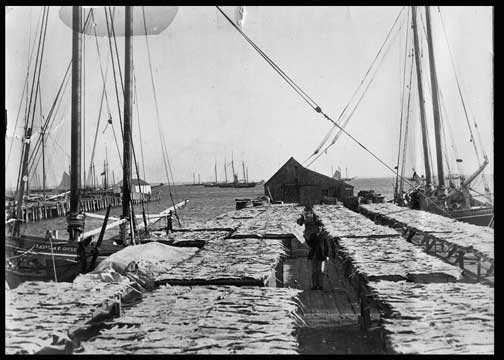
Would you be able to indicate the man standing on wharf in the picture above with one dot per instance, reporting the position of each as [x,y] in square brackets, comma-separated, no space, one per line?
[319,252]
[318,243]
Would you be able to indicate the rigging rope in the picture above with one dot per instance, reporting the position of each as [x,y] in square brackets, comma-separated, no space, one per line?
[91,161]
[114,72]
[104,95]
[146,206]
[406,127]
[27,120]
[50,118]
[460,91]
[343,112]
[31,46]
[163,145]
[112,28]
[463,104]
[49,121]
[316,107]
[83,104]
[396,188]
[450,132]
[39,67]
[345,122]
[289,81]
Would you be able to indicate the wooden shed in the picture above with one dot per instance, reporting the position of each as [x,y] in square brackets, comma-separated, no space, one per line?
[137,185]
[293,183]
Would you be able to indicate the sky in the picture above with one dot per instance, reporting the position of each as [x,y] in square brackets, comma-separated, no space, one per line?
[218,98]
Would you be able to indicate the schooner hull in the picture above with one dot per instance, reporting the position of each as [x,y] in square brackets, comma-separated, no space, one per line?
[476,216]
[238,185]
[481,217]
[31,258]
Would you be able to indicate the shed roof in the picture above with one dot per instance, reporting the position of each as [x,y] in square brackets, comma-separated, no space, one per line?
[294,162]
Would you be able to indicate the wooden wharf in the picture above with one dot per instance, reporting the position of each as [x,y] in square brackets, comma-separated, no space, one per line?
[415,293]
[41,210]
[468,246]
[240,283]
[371,252]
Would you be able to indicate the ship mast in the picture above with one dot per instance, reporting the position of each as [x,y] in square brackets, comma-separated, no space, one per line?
[428,179]
[42,134]
[22,179]
[435,103]
[232,167]
[244,176]
[75,220]
[215,169]
[128,62]
[225,169]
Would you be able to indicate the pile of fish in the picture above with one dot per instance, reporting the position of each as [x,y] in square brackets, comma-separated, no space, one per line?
[479,239]
[341,222]
[394,258]
[228,261]
[422,220]
[205,320]
[276,222]
[37,314]
[233,219]
[447,318]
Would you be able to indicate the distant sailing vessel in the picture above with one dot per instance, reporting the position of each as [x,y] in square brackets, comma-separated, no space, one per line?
[337,175]
[236,183]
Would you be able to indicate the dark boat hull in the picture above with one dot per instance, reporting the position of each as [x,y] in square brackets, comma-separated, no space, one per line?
[481,217]
[237,185]
[31,258]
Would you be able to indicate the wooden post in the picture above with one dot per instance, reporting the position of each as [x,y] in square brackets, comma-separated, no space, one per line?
[460,259]
[279,273]
[478,272]
[429,246]
[410,235]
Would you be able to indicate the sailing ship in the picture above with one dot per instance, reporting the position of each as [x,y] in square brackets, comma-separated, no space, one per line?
[337,175]
[236,183]
[50,257]
[455,201]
